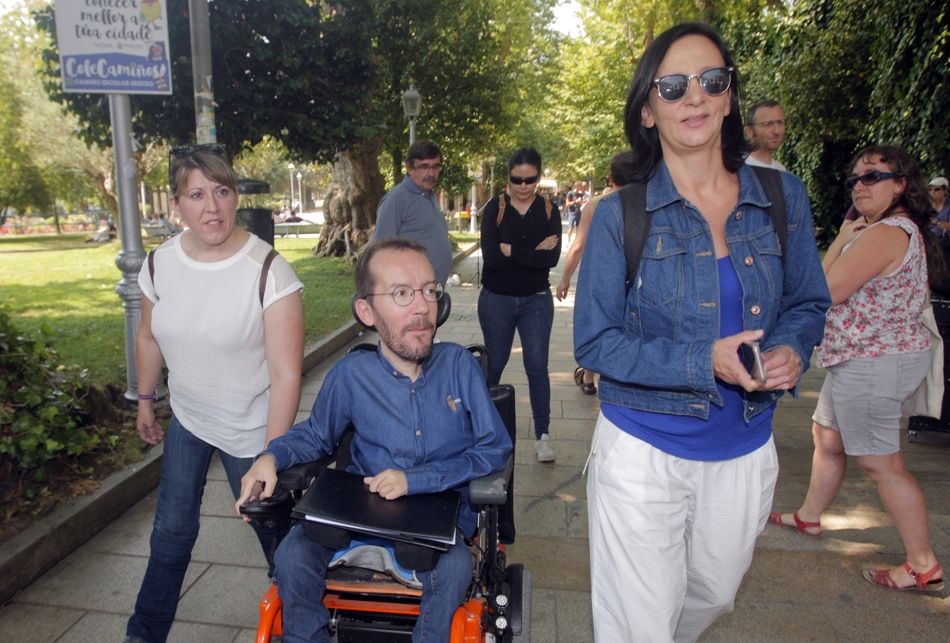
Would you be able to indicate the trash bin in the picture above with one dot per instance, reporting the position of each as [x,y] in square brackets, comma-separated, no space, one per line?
[254,219]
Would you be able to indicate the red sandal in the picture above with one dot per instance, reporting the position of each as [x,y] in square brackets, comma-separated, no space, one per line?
[800,525]
[925,582]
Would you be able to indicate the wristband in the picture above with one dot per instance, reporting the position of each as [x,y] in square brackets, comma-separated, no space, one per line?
[147,397]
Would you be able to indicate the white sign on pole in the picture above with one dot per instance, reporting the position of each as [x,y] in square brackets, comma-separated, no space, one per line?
[113,46]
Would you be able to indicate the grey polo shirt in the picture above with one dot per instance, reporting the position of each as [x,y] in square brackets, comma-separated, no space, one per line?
[407,211]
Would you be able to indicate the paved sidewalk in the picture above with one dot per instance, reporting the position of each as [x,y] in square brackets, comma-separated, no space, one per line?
[798,589]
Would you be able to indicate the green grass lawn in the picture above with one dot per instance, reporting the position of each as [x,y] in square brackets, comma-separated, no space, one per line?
[67,287]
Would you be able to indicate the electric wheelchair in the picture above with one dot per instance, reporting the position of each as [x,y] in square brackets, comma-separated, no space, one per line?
[368,606]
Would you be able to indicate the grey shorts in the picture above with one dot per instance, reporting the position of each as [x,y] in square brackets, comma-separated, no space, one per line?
[861,399]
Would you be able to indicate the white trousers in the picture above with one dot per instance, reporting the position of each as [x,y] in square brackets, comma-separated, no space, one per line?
[670,538]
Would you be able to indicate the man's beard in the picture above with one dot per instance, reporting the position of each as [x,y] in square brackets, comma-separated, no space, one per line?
[400,346]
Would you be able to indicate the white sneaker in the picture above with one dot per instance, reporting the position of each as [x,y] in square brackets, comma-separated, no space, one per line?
[544,449]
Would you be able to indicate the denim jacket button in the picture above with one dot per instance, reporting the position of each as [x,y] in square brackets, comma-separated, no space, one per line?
[748,261]
[755,310]
[738,215]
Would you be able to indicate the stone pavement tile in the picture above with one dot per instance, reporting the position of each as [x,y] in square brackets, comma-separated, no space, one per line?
[35,623]
[570,453]
[129,534]
[541,517]
[785,622]
[577,520]
[574,621]
[216,469]
[228,541]
[845,532]
[554,563]
[883,624]
[574,409]
[543,615]
[542,480]
[225,595]
[100,582]
[218,499]
[939,523]
[829,580]
[581,430]
[97,627]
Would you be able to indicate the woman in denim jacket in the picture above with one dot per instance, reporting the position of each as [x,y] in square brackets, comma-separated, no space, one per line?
[682,464]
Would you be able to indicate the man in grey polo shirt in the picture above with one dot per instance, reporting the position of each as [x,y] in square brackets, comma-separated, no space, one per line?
[411,209]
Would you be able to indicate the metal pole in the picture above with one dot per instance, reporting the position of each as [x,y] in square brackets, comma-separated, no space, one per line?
[300,189]
[412,130]
[132,254]
[290,169]
[201,70]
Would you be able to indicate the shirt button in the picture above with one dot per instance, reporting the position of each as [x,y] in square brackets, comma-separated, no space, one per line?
[418,432]
[755,310]
[738,215]
[748,261]
[395,374]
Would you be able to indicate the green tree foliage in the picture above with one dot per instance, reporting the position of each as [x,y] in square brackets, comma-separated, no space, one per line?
[21,181]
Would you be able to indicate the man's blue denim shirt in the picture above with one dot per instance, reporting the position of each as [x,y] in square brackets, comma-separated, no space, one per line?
[442,430]
[653,344]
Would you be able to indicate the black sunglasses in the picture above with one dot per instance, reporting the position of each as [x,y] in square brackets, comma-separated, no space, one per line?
[869,178]
[518,180]
[714,82]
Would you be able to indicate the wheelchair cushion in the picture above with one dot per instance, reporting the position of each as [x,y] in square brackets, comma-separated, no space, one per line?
[376,554]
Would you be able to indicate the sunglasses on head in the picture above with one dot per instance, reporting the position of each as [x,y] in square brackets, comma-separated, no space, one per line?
[181,151]
[518,180]
[714,82]
[869,178]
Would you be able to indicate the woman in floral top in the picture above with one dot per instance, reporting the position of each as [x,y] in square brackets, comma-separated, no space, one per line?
[877,353]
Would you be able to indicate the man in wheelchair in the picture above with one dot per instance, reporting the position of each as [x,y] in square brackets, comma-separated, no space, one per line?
[424,423]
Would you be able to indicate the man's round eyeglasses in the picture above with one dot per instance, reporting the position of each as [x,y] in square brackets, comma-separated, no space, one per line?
[403,295]
[934,188]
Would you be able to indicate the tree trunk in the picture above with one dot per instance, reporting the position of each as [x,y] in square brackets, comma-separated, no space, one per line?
[349,210]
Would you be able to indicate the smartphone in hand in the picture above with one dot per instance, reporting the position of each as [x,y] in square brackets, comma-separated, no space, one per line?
[752,358]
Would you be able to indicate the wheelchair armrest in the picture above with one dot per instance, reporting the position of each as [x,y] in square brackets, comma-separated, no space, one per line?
[299,476]
[493,488]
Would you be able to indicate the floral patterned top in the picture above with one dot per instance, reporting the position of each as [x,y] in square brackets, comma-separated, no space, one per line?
[884,316]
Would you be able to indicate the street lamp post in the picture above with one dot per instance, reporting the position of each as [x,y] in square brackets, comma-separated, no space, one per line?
[412,104]
[290,168]
[300,189]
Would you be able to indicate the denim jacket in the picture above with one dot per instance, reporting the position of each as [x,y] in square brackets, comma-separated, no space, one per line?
[653,344]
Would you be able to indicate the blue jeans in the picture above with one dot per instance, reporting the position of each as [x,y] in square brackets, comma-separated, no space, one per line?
[184,468]
[301,570]
[533,317]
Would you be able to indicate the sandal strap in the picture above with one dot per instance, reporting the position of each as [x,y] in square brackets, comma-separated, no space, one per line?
[802,525]
[922,578]
[883,578]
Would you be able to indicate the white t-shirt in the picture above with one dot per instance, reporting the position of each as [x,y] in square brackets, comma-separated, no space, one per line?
[775,165]
[209,322]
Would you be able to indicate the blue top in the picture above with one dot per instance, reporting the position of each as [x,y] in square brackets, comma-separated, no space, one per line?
[652,343]
[442,430]
[408,211]
[725,434]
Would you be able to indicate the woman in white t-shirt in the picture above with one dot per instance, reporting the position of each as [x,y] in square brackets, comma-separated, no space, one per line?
[225,315]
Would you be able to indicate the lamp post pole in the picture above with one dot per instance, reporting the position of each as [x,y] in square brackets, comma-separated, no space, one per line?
[290,168]
[300,189]
[412,105]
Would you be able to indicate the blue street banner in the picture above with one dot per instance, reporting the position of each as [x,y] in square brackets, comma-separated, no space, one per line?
[113,46]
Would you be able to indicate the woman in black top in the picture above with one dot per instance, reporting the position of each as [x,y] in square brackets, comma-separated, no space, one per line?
[521,242]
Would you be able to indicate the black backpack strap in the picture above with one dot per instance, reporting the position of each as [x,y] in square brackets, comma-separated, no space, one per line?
[151,269]
[771,182]
[636,226]
[265,268]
